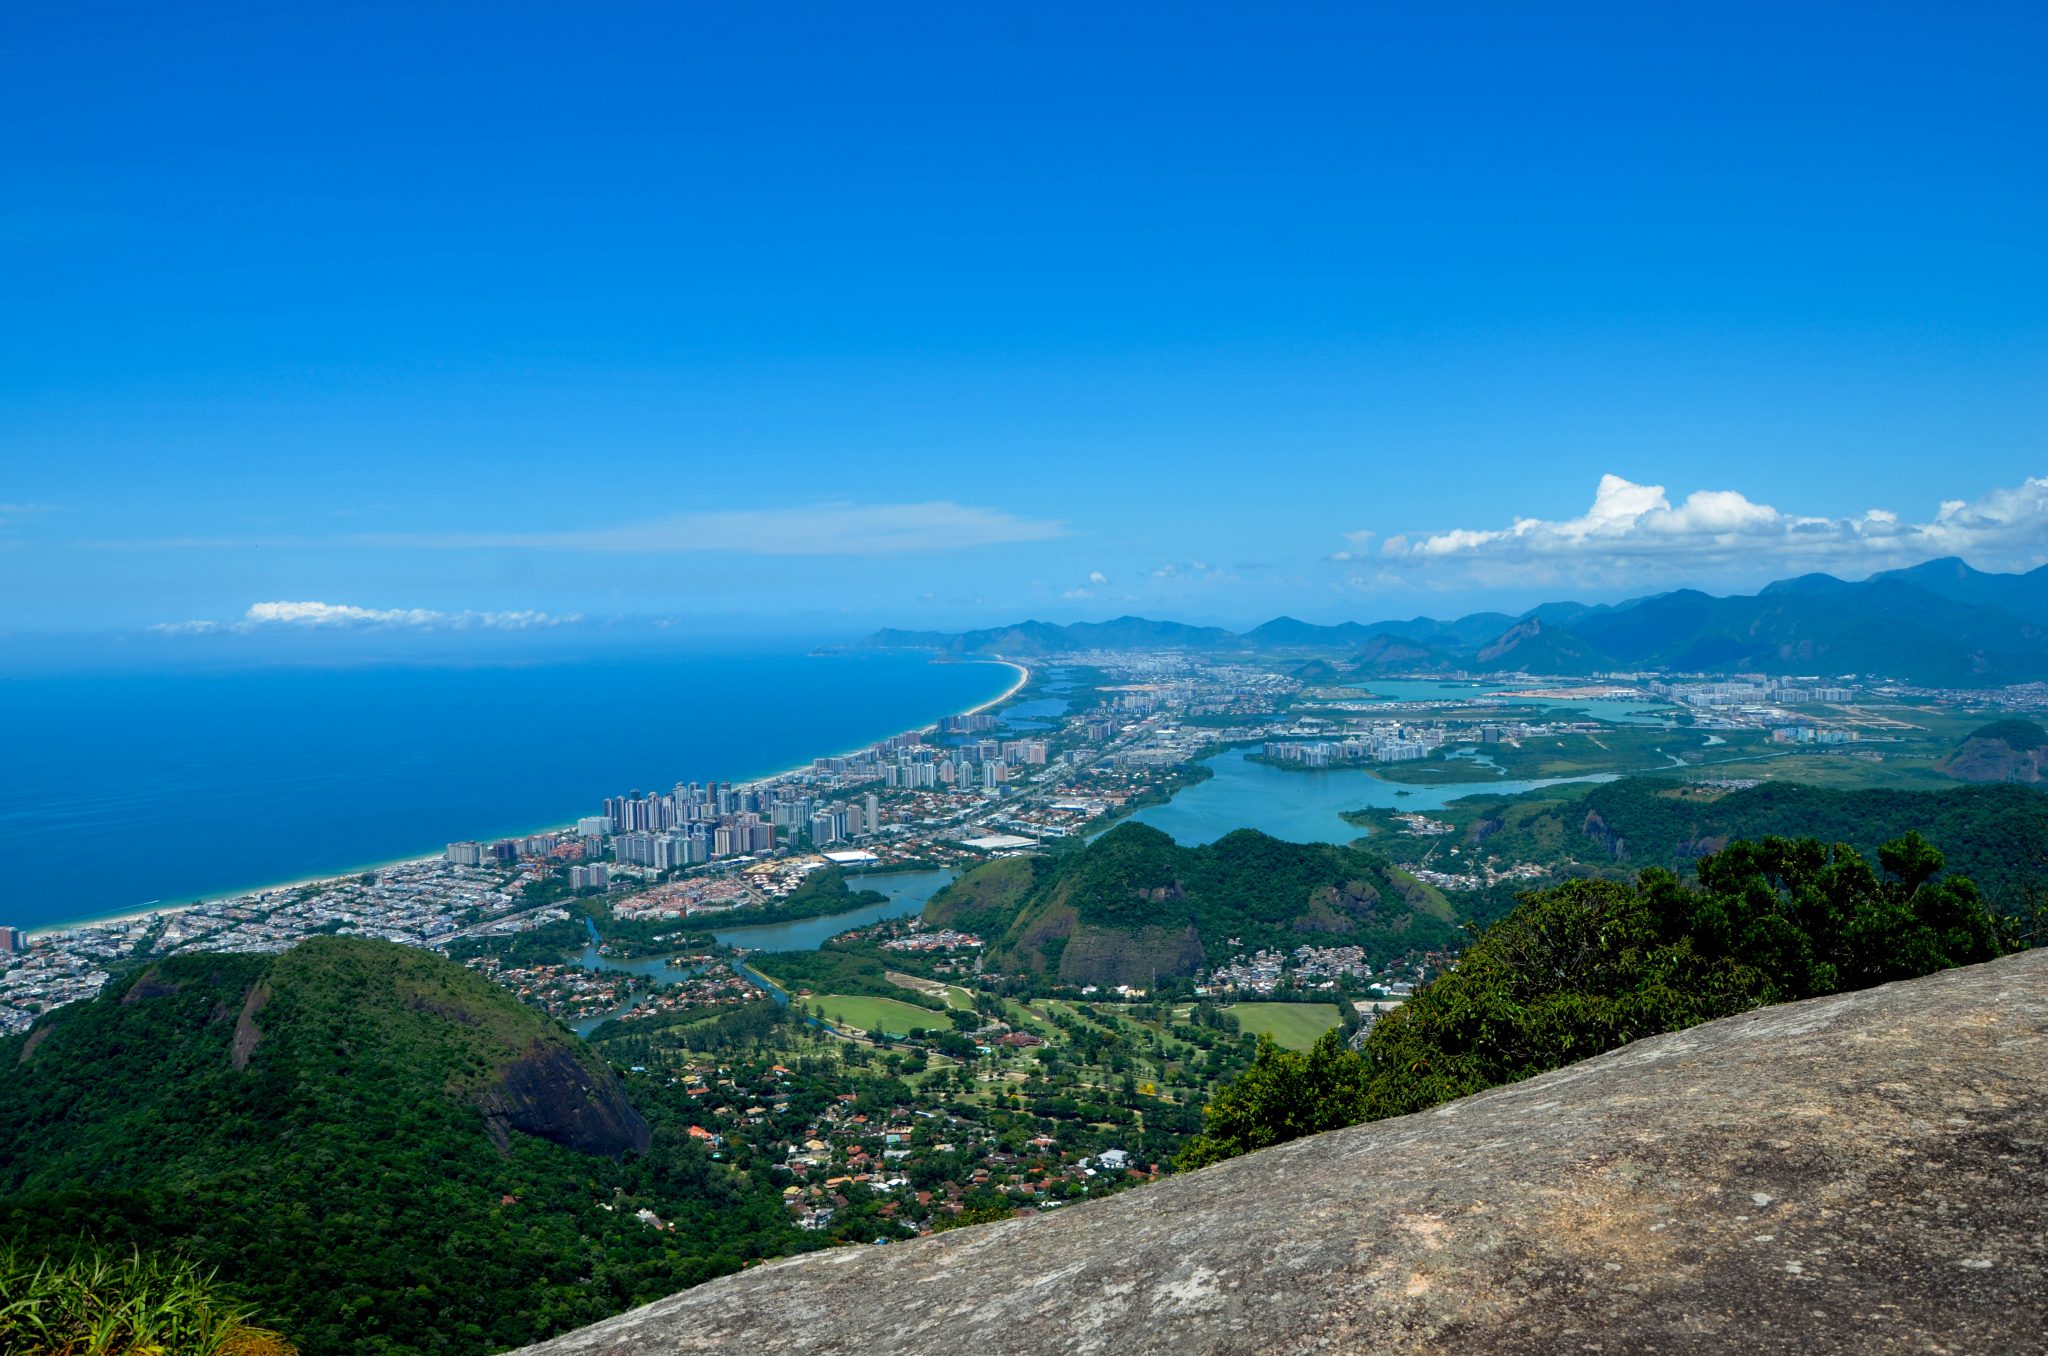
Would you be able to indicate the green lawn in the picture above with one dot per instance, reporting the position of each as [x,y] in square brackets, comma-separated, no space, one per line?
[1293,1025]
[876,1014]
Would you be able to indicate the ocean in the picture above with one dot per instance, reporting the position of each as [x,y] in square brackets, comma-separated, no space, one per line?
[122,790]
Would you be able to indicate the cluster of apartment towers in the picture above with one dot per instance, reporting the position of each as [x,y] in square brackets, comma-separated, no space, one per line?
[700,822]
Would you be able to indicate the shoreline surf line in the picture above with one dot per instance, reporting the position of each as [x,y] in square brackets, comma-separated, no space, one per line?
[143,912]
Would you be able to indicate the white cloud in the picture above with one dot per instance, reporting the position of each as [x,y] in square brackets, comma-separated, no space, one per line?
[1097,577]
[834,529]
[1193,571]
[813,530]
[333,614]
[1632,530]
[342,616]
[1356,550]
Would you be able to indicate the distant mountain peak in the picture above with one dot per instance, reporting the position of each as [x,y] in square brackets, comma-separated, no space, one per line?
[1992,631]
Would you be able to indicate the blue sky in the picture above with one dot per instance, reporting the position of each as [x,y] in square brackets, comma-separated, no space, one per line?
[819,318]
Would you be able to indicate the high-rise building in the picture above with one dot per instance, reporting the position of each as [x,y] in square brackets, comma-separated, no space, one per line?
[12,940]
[466,854]
[635,847]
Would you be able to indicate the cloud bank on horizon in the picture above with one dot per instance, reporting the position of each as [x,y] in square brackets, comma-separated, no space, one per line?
[1632,531]
[793,530]
[1632,538]
[344,617]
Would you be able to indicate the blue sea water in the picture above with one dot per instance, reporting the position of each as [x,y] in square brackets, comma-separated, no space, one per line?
[118,790]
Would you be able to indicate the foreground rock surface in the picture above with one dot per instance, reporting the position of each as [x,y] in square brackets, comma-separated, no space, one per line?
[1863,1173]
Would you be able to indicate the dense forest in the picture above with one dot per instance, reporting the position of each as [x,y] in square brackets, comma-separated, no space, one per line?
[1995,835]
[1134,906]
[371,1144]
[1590,965]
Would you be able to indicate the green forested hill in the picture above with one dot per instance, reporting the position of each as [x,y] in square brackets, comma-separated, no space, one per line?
[1996,835]
[986,899]
[1135,906]
[379,1148]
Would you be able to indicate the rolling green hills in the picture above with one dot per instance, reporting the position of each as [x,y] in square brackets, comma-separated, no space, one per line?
[1996,835]
[1134,906]
[379,1149]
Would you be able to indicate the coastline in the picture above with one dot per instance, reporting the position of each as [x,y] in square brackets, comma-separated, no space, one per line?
[1023,678]
[161,910]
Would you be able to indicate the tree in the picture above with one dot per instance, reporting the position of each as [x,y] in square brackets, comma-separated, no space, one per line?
[1590,965]
[1283,1095]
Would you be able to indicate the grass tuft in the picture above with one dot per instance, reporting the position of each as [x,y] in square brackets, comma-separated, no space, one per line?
[94,1303]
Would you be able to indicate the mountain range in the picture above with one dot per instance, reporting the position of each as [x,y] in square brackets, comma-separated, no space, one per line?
[1941,623]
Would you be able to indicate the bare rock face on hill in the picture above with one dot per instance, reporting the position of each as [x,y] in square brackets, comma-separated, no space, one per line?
[550,1093]
[2003,751]
[1861,1173]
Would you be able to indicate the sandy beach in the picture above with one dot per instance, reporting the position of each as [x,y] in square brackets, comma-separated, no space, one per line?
[1023,677]
[149,911]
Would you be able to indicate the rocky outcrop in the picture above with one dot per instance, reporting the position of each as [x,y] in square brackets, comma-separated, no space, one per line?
[550,1093]
[1598,830]
[247,1034]
[1862,1173]
[1138,956]
[2003,751]
[152,984]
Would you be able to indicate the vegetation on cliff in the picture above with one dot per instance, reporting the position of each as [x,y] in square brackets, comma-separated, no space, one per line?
[1590,965]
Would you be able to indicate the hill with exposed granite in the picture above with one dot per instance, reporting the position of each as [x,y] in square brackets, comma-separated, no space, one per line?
[1134,906]
[382,1149]
[2003,751]
[1854,1174]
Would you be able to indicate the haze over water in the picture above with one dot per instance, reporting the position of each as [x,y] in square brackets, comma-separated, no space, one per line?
[203,784]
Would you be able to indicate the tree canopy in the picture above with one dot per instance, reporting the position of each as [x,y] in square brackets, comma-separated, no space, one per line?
[1590,965]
